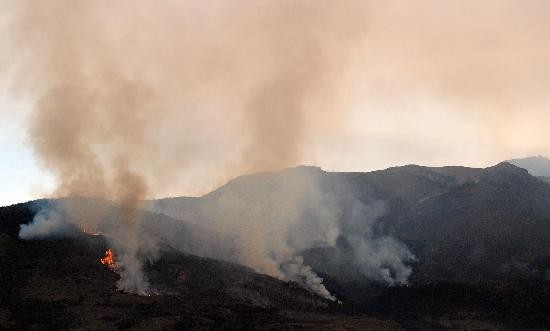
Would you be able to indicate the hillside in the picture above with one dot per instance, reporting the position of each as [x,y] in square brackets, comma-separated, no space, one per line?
[475,241]
[496,226]
[488,218]
[475,233]
[58,283]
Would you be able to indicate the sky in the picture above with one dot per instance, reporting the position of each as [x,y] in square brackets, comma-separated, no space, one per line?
[20,177]
[201,92]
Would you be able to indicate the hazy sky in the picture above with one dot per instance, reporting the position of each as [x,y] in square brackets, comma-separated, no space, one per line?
[346,85]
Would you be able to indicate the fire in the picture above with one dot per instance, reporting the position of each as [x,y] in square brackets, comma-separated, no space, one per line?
[108,259]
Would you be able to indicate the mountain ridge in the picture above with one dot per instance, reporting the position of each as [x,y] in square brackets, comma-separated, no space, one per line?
[480,240]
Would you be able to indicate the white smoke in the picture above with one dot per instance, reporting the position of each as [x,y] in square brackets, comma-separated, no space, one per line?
[264,221]
[274,221]
[131,245]
[382,259]
[272,218]
[46,223]
[305,276]
[378,257]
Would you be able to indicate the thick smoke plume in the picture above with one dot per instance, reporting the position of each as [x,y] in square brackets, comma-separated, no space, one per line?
[186,94]
[133,98]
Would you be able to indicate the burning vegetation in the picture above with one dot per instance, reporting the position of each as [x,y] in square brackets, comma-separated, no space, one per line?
[108,259]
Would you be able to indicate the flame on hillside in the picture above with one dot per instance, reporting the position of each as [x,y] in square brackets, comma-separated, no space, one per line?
[108,259]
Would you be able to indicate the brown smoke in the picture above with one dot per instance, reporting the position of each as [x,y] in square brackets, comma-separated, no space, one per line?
[184,94]
[134,99]
[431,82]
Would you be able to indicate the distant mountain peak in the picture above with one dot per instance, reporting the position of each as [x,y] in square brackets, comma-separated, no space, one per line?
[506,165]
[536,165]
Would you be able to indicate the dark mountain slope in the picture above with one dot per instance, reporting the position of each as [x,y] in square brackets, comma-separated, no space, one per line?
[399,187]
[402,188]
[59,283]
[481,238]
[410,183]
[498,225]
[482,245]
[462,223]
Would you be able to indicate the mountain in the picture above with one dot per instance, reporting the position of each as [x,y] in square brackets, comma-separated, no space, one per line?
[461,223]
[425,248]
[58,283]
[495,226]
[481,237]
[536,165]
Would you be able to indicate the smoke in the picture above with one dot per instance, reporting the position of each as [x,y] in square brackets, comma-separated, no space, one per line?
[46,223]
[265,220]
[140,99]
[304,275]
[429,82]
[269,221]
[132,99]
[186,94]
[378,256]
[119,223]
[383,259]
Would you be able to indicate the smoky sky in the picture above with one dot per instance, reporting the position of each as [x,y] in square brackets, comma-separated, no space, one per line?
[175,97]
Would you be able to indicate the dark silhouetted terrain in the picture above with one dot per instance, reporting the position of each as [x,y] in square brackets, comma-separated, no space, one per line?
[481,238]
[58,283]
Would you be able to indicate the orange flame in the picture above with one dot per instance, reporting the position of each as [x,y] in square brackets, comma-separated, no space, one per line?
[108,259]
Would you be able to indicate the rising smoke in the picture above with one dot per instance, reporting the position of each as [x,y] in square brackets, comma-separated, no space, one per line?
[133,100]
[266,221]
[269,221]
[184,94]
[120,223]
